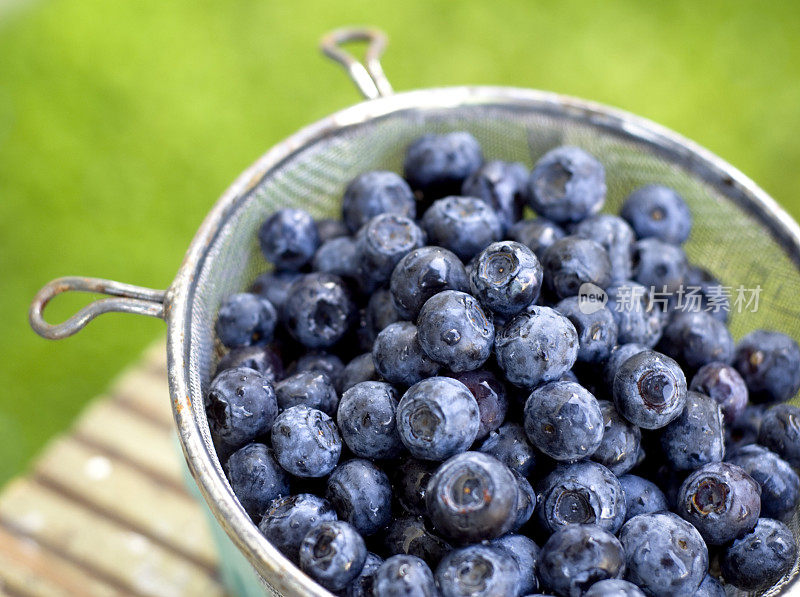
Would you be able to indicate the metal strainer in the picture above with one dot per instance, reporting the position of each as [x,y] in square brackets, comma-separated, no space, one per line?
[740,233]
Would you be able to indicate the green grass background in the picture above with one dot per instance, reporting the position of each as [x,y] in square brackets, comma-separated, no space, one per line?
[121,123]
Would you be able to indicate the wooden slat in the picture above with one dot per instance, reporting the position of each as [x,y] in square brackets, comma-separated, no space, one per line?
[146,393]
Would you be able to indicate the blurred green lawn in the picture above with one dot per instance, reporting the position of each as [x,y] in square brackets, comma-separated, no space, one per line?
[121,122]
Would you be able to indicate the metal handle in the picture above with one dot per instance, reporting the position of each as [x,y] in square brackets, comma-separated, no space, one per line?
[368,77]
[132,299]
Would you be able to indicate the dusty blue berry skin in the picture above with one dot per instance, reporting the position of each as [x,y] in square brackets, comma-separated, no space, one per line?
[563,420]
[656,211]
[423,273]
[463,225]
[620,448]
[382,242]
[289,238]
[261,358]
[329,228]
[506,277]
[437,418]
[240,406]
[526,553]
[338,256]
[780,432]
[455,331]
[381,311]
[438,165]
[659,265]
[326,363]
[509,444]
[536,234]
[472,497]
[572,261]
[614,587]
[769,363]
[256,478]
[581,493]
[367,420]
[577,556]
[567,185]
[642,496]
[309,388]
[306,442]
[780,485]
[362,585]
[503,185]
[724,384]
[526,502]
[721,500]
[319,310]
[374,193]
[696,339]
[597,331]
[619,354]
[410,482]
[361,494]
[639,319]
[490,394]
[536,346]
[745,429]
[411,535]
[361,368]
[710,587]
[288,519]
[760,558]
[274,286]
[333,554]
[650,540]
[398,356]
[404,576]
[616,237]
[650,390]
[245,319]
[697,436]
[479,571]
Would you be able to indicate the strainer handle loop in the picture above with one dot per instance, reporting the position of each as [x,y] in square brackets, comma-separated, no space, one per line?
[128,299]
[369,76]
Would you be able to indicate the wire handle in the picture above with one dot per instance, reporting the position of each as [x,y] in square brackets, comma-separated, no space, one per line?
[369,76]
[131,299]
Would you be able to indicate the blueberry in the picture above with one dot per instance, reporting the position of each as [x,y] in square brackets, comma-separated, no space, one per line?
[639,318]
[319,310]
[455,331]
[711,296]
[567,185]
[362,585]
[721,500]
[490,394]
[382,242]
[650,390]
[760,558]
[664,554]
[745,429]
[368,422]
[314,390]
[240,406]
[509,444]
[329,228]
[479,571]
[696,339]
[274,286]
[780,432]
[256,478]
[537,345]
[464,225]
[361,368]
[526,502]
[616,237]
[438,165]
[381,311]
[288,519]
[322,362]
[596,327]
[657,211]
[620,447]
[571,262]
[526,553]
[289,238]
[696,437]
[642,496]
[261,358]
[710,587]
[724,384]
[577,556]
[410,535]
[245,319]
[472,497]
[537,234]
[581,493]
[614,587]
[659,265]
[333,554]
[503,185]
[306,442]
[506,277]
[780,485]
[398,356]
[619,355]
[375,193]
[410,482]
[361,495]
[769,362]
[404,576]
[563,420]
[437,418]
[423,273]
[338,256]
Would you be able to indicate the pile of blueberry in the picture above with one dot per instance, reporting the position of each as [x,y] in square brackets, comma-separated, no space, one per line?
[517,413]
